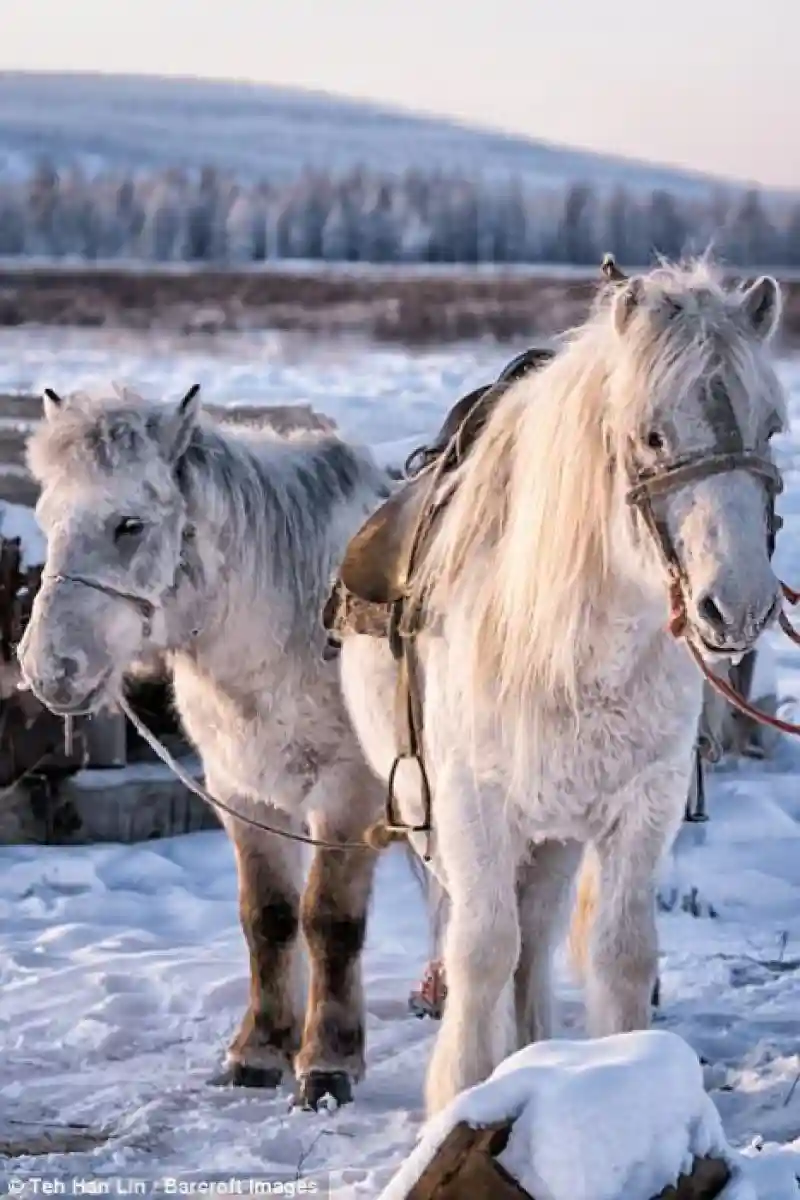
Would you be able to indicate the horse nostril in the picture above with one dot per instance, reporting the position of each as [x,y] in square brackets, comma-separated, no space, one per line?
[710,611]
[69,667]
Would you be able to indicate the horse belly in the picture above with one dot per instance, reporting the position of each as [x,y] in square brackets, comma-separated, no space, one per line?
[369,686]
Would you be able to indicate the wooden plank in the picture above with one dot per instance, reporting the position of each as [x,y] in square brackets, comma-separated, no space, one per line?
[465,1167]
[19,415]
[17,487]
[27,410]
[707,1179]
[141,802]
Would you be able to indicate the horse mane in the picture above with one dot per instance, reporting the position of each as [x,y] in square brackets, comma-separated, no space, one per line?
[525,547]
[275,508]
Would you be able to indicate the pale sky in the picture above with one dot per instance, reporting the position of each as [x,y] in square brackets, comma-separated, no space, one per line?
[711,84]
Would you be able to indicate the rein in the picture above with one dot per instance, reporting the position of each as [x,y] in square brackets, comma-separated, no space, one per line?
[147,610]
[144,607]
[177,770]
[678,627]
[659,481]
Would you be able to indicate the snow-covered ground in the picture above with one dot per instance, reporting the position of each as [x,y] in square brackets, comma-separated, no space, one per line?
[123,971]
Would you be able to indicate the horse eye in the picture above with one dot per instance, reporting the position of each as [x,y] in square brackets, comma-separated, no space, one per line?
[128,527]
[654,440]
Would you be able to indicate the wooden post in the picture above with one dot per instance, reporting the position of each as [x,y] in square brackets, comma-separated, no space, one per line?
[465,1167]
[106,739]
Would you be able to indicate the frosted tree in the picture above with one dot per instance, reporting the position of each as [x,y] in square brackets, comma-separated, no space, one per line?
[667,229]
[12,219]
[42,211]
[340,233]
[791,239]
[163,233]
[752,238]
[379,237]
[242,226]
[578,241]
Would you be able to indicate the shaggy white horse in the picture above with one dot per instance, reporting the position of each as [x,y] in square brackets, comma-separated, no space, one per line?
[560,711]
[214,545]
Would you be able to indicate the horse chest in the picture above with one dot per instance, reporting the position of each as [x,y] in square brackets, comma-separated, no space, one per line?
[268,743]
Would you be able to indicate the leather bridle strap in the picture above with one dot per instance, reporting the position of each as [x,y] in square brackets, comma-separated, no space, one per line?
[676,475]
[144,607]
[646,485]
[689,470]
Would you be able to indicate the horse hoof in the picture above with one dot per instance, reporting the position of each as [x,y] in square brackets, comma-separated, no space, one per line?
[324,1089]
[240,1075]
[421,1008]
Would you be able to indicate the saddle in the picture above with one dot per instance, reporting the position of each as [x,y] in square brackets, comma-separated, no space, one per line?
[370,595]
[379,557]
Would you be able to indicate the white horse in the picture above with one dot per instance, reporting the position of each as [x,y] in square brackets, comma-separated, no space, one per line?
[560,712]
[215,545]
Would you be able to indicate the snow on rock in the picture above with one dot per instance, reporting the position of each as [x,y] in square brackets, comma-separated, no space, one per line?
[618,1118]
[18,521]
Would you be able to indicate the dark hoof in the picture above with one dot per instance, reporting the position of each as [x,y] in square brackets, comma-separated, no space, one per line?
[319,1088]
[240,1075]
[422,1007]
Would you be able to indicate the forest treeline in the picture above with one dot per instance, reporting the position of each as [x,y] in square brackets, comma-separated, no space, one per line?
[365,216]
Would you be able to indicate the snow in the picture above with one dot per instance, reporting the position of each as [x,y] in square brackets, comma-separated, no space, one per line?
[123,969]
[633,1103]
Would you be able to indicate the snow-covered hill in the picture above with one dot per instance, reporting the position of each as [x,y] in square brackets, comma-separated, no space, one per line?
[258,130]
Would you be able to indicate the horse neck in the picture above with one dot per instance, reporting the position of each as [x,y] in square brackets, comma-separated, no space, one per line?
[239,596]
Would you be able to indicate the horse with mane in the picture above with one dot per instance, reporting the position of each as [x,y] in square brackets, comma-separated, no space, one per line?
[215,545]
[560,708]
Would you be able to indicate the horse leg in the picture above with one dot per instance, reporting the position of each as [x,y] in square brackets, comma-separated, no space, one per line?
[269,871]
[334,920]
[481,944]
[623,943]
[543,888]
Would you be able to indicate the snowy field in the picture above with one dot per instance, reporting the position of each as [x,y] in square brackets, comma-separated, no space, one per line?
[123,969]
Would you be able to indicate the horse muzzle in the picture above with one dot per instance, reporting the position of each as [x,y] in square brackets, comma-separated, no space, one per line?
[64,691]
[725,633]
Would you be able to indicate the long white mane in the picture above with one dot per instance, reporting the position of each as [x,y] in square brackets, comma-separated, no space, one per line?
[527,547]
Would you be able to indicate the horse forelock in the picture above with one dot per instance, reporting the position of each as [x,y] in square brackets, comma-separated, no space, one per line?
[94,436]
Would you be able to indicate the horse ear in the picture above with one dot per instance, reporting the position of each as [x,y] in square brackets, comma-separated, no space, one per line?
[762,306]
[625,303]
[180,424]
[52,403]
[610,271]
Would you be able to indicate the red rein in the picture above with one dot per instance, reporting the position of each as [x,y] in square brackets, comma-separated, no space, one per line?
[677,627]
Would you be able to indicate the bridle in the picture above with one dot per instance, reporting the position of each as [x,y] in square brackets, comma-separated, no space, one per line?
[146,608]
[728,454]
[648,483]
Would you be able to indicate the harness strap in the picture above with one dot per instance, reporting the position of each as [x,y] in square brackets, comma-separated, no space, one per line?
[677,474]
[145,607]
[177,770]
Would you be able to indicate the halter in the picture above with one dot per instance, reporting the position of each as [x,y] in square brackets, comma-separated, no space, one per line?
[647,483]
[729,454]
[144,607]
